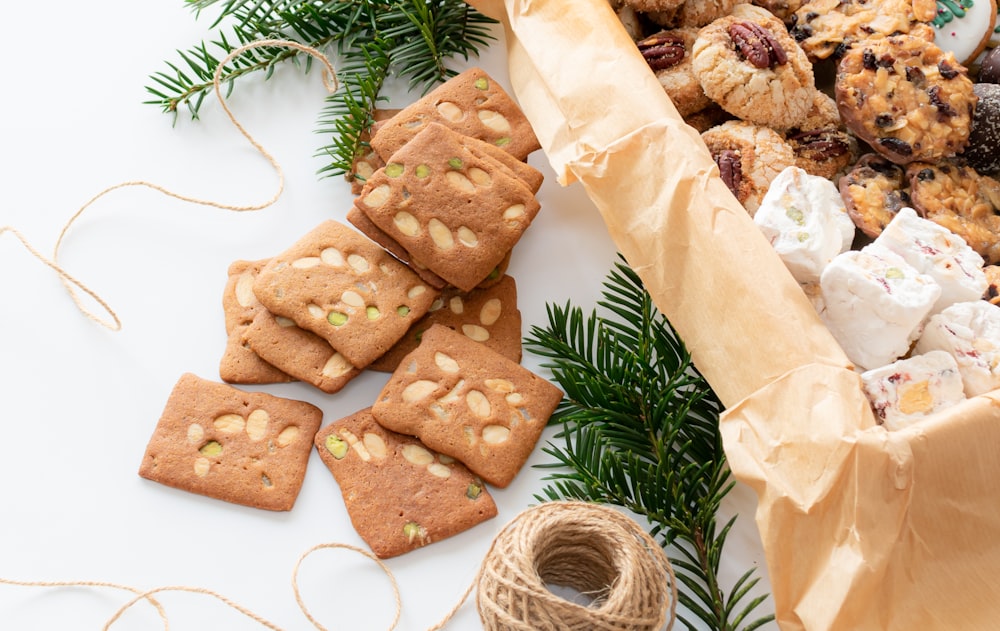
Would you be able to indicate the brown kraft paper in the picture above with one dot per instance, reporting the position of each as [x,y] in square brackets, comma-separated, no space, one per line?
[862,528]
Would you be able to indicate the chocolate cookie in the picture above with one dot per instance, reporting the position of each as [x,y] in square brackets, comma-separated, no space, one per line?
[906,98]
[983,151]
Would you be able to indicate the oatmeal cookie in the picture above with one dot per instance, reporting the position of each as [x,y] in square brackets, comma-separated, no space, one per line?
[874,190]
[906,98]
[747,63]
[828,28]
[821,143]
[668,54]
[749,158]
[962,201]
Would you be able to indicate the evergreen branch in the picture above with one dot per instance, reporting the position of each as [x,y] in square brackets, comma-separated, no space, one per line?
[374,40]
[639,429]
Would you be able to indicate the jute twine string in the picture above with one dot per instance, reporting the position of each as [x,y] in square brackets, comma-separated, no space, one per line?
[595,550]
[72,284]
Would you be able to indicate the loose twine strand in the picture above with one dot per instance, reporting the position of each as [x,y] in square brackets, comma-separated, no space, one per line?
[72,284]
[596,550]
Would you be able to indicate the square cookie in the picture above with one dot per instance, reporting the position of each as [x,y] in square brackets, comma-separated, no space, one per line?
[472,104]
[399,494]
[468,402]
[248,448]
[239,364]
[298,352]
[346,289]
[488,315]
[456,212]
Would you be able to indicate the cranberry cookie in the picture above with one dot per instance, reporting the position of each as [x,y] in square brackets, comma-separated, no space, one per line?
[749,158]
[905,97]
[747,63]
[962,201]
[874,190]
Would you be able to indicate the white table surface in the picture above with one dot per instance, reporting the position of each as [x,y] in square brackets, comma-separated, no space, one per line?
[79,402]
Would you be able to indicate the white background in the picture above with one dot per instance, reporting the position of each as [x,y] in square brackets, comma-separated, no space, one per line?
[78,402]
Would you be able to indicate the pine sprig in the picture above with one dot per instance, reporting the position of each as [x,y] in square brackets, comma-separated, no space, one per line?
[639,429]
[374,41]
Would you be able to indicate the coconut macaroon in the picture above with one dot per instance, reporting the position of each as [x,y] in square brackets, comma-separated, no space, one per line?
[804,218]
[937,252]
[970,332]
[875,303]
[912,389]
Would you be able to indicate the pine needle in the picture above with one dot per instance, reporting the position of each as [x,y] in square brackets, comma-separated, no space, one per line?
[639,429]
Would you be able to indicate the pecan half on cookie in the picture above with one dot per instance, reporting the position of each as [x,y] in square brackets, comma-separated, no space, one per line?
[748,64]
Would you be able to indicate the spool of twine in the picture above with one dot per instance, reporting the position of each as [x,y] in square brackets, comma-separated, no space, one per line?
[595,550]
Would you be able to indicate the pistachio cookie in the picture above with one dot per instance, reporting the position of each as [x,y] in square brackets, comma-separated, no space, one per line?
[747,63]
[874,190]
[668,54]
[749,158]
[906,98]
[828,28]
[962,201]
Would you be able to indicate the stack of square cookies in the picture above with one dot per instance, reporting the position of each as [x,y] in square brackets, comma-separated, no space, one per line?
[417,288]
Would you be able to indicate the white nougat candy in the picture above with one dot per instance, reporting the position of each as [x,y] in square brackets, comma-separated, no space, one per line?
[804,218]
[937,252]
[876,304]
[970,332]
[911,389]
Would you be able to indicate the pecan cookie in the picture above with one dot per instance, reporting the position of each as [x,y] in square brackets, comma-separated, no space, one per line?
[905,97]
[821,143]
[668,56]
[749,158]
[962,201]
[747,63]
[874,190]
[828,28]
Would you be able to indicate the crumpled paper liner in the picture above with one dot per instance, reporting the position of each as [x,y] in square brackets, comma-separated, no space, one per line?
[862,528]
